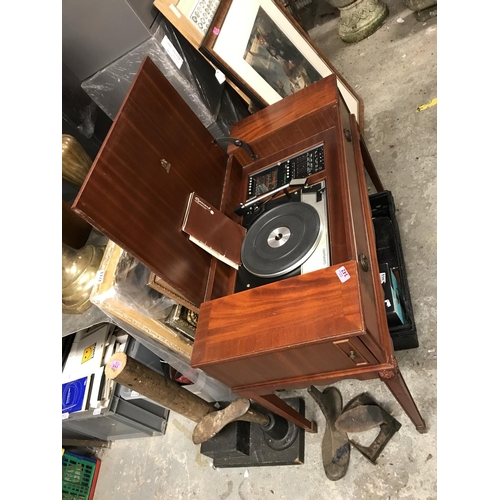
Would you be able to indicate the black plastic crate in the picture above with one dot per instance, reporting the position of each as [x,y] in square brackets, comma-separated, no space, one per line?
[389,249]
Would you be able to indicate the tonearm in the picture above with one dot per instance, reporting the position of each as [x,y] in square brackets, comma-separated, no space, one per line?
[246,207]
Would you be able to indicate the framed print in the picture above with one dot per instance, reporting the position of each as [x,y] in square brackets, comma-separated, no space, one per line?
[191,17]
[260,47]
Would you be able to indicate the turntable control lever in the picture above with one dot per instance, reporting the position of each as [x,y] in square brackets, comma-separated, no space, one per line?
[319,194]
[223,141]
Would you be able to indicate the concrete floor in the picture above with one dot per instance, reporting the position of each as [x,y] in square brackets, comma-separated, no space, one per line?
[394,71]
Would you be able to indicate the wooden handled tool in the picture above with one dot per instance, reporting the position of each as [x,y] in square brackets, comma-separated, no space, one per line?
[142,379]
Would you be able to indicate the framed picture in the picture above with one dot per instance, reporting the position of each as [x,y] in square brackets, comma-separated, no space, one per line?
[113,296]
[191,17]
[260,47]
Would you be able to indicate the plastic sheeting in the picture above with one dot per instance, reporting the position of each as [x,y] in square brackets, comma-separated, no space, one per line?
[187,71]
[125,297]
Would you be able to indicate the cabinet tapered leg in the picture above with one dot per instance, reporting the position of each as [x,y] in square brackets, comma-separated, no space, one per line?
[278,406]
[370,167]
[396,384]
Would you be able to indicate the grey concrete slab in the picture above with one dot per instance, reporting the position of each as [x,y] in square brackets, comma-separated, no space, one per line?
[394,71]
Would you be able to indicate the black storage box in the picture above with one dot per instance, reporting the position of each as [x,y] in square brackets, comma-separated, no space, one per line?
[390,252]
[392,296]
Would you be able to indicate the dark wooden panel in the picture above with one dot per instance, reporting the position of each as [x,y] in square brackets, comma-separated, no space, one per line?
[232,187]
[75,231]
[297,311]
[288,121]
[339,213]
[156,283]
[224,276]
[132,199]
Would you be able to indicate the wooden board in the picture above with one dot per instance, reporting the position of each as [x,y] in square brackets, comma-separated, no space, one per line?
[75,231]
[130,197]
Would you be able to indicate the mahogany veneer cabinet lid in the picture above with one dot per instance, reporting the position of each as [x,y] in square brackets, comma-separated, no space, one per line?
[156,153]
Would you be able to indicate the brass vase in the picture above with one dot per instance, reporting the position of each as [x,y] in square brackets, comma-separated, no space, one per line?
[79,268]
[75,161]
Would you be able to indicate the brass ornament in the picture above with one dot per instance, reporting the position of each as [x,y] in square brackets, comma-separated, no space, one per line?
[79,269]
[75,161]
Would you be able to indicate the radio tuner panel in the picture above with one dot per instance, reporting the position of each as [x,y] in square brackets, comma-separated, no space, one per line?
[296,167]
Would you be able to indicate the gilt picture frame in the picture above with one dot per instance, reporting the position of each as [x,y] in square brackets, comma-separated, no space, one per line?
[132,318]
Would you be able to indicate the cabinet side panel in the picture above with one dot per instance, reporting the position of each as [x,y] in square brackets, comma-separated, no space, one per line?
[224,276]
[364,234]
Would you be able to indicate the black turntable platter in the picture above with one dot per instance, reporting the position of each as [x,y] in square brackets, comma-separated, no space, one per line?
[281,239]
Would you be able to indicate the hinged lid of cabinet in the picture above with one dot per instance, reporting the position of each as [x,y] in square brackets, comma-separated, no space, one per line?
[156,153]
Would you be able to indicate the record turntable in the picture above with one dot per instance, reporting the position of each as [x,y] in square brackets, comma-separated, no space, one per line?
[286,237]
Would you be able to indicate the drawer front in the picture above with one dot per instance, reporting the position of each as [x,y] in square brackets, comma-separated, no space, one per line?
[356,351]
[300,361]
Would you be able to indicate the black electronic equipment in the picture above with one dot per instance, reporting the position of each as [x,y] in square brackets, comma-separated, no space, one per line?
[282,173]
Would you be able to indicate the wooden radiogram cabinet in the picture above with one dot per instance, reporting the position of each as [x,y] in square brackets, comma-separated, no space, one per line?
[311,329]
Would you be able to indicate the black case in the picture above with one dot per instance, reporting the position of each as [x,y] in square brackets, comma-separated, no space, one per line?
[394,309]
[390,251]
